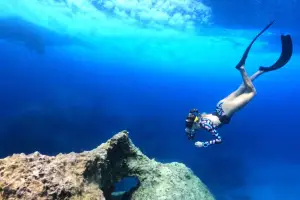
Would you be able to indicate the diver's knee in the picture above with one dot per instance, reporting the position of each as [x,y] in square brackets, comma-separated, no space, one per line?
[254,91]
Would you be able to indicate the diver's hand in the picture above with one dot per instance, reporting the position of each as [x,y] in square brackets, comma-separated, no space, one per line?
[199,144]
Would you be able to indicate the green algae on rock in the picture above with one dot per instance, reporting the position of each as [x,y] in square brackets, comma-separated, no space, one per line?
[91,175]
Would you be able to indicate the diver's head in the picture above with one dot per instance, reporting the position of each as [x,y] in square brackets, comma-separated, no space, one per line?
[191,125]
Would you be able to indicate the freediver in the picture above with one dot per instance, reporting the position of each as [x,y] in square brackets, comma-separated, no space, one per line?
[238,99]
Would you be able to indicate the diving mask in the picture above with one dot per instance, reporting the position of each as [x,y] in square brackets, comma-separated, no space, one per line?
[190,123]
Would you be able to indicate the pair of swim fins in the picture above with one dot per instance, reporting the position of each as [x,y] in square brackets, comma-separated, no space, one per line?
[286,52]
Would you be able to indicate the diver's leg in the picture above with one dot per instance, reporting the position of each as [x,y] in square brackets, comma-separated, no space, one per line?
[242,87]
[235,104]
[249,87]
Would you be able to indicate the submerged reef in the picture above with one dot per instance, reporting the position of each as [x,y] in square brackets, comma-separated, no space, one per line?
[91,175]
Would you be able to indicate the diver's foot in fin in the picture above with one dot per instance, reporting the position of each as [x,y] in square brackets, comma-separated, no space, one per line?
[286,54]
[245,55]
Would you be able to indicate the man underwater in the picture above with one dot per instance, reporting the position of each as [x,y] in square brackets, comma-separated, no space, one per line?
[238,99]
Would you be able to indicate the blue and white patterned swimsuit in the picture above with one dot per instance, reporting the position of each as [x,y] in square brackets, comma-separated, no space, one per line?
[219,109]
[224,119]
[208,125]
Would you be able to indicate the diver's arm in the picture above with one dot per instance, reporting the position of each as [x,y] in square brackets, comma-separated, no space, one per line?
[218,140]
[209,127]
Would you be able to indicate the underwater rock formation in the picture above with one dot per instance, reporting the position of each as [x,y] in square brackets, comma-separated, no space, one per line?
[91,175]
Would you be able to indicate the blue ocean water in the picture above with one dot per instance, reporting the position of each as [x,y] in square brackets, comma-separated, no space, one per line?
[75,72]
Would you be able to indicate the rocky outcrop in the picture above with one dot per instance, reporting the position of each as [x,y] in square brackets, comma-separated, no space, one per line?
[91,175]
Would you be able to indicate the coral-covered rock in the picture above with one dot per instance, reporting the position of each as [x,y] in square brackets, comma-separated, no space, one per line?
[91,175]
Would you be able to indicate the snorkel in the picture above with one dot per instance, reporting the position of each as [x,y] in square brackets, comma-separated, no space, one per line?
[190,123]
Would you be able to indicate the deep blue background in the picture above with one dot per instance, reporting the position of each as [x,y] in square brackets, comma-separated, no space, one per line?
[54,103]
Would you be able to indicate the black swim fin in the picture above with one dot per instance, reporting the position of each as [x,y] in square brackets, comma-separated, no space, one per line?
[245,55]
[286,54]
